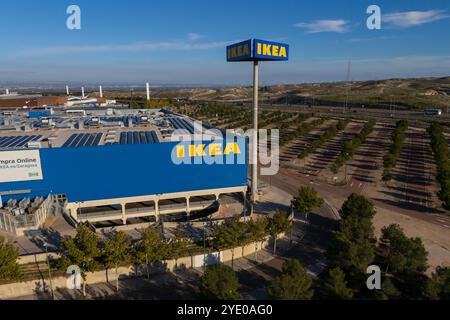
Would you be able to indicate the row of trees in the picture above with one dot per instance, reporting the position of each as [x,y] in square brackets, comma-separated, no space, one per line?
[330,133]
[235,233]
[212,110]
[86,251]
[296,121]
[398,141]
[90,254]
[301,130]
[403,260]
[277,117]
[156,103]
[439,145]
[351,146]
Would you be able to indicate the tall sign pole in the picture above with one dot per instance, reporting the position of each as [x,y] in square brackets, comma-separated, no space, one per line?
[255,131]
[255,50]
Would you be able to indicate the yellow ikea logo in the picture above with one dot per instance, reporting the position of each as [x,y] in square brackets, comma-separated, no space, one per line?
[213,149]
[271,50]
[240,50]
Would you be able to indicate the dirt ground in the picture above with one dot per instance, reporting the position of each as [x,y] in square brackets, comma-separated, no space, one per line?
[436,238]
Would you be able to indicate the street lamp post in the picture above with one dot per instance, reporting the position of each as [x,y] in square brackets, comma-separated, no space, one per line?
[49,271]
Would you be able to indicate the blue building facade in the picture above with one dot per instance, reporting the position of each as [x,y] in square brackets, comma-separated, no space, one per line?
[121,171]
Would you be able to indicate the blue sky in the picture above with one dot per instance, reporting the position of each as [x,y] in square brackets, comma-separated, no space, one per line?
[183,41]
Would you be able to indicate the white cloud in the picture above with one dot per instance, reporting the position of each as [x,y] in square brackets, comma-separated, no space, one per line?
[338,26]
[194,36]
[414,18]
[131,47]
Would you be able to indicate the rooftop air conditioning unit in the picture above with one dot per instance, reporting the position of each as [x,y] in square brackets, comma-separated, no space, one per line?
[34,145]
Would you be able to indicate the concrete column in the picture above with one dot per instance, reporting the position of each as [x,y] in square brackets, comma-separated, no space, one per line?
[245,203]
[157,210]
[188,206]
[74,213]
[255,133]
[124,215]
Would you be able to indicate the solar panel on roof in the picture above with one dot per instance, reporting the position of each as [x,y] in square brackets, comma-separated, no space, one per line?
[186,125]
[155,137]
[136,138]
[18,142]
[6,141]
[143,138]
[89,140]
[69,141]
[12,142]
[76,141]
[123,138]
[130,139]
[97,139]
[83,140]
[24,143]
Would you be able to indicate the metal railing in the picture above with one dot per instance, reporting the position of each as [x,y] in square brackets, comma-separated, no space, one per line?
[10,223]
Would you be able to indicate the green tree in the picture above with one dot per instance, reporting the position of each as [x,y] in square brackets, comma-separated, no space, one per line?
[9,268]
[439,285]
[220,282]
[402,254]
[229,235]
[150,248]
[294,283]
[279,223]
[389,289]
[117,251]
[307,200]
[352,244]
[81,251]
[258,230]
[179,245]
[335,286]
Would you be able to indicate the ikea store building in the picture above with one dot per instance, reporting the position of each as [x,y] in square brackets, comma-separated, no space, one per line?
[115,181]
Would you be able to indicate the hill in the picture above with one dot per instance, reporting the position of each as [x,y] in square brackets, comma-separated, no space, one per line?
[417,93]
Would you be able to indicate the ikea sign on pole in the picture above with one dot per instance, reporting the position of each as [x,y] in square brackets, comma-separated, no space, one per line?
[256,50]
